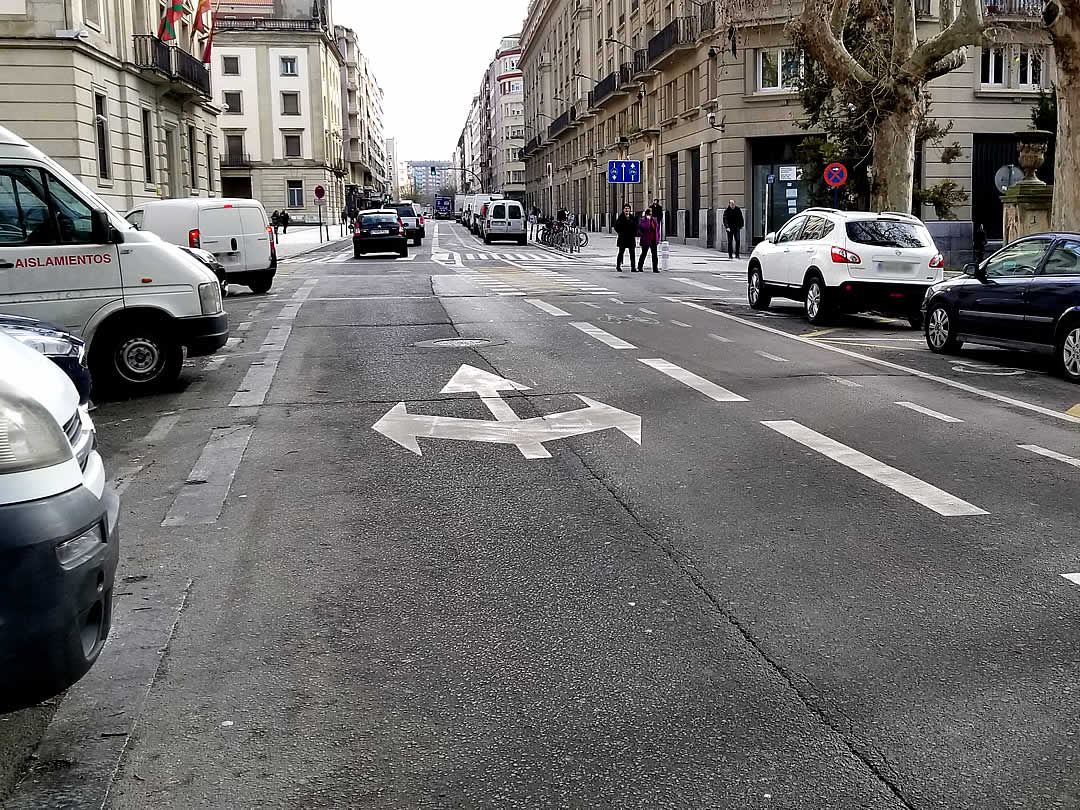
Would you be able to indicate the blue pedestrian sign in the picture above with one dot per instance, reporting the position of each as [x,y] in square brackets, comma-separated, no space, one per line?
[624,171]
[770,179]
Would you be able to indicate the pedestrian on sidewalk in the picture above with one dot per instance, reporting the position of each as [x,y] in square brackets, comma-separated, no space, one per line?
[979,244]
[285,221]
[649,234]
[733,224]
[626,226]
[534,216]
[658,214]
[275,220]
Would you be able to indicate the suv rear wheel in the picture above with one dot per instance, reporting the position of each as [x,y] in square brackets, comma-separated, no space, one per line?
[756,294]
[815,303]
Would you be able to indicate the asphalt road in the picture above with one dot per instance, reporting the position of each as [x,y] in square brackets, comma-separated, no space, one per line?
[691,556]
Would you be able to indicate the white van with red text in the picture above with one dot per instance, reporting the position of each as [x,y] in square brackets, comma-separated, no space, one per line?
[68,258]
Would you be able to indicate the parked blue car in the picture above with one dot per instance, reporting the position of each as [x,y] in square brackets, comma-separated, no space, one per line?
[1026,296]
[63,348]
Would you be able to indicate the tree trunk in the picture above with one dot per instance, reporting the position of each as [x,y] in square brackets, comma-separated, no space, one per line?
[894,158]
[1065,211]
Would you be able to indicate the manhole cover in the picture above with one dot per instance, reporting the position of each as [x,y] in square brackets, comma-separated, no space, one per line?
[455,343]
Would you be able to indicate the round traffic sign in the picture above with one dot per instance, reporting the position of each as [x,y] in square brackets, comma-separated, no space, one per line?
[835,174]
[320,192]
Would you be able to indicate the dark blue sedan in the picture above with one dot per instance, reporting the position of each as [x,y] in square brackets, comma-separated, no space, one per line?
[1025,296]
[63,348]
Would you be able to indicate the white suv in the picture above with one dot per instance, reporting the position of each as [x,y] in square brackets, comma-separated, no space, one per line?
[851,261]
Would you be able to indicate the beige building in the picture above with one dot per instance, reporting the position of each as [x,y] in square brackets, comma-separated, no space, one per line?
[90,84]
[637,79]
[278,81]
[362,106]
[506,119]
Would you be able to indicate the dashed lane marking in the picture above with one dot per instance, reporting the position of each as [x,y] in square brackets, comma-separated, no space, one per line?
[683,324]
[842,381]
[1042,451]
[162,427]
[689,378]
[719,338]
[944,417]
[923,493]
[602,336]
[700,284]
[256,383]
[773,357]
[201,500]
[544,306]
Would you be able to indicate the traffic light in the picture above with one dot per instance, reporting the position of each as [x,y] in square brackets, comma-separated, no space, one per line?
[434,172]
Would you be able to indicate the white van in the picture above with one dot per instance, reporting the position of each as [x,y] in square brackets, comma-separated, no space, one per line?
[59,541]
[466,209]
[504,219]
[237,232]
[478,203]
[68,258]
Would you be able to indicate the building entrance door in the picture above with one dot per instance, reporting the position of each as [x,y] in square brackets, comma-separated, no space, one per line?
[695,193]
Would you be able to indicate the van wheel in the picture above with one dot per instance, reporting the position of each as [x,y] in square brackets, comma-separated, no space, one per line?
[136,357]
[262,285]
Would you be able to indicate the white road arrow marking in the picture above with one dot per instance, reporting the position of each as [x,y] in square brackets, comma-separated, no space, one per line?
[528,435]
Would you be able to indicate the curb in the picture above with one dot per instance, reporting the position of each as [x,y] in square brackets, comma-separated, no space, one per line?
[313,248]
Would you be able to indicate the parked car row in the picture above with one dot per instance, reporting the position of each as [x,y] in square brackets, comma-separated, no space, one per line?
[1025,296]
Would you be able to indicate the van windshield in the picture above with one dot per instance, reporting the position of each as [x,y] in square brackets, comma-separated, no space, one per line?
[115,219]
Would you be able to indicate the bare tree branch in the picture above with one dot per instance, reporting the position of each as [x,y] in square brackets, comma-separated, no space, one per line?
[954,60]
[903,31]
[968,28]
[838,17]
[815,27]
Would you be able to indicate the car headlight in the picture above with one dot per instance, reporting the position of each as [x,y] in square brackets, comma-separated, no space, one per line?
[49,345]
[72,553]
[210,298]
[30,439]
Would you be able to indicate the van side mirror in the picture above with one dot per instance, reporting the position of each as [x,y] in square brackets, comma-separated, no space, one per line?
[102,230]
[771,237]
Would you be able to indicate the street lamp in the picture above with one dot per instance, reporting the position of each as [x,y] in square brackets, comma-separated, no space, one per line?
[619,42]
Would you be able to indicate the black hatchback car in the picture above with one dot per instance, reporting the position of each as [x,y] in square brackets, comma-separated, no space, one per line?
[1025,296]
[379,231]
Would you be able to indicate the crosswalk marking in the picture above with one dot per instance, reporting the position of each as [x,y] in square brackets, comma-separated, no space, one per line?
[544,306]
[700,384]
[944,417]
[602,336]
[1042,451]
[909,486]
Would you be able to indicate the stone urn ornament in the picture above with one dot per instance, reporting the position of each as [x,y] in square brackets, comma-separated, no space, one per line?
[1031,146]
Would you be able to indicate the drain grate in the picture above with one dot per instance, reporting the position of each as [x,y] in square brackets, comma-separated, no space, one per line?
[455,343]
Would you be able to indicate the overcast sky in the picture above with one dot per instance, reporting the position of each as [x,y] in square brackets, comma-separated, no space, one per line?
[429,57]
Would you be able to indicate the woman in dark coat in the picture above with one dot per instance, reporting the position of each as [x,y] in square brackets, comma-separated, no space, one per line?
[626,228]
[649,233]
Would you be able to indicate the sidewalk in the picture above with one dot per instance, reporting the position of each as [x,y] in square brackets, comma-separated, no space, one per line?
[302,238]
[682,258]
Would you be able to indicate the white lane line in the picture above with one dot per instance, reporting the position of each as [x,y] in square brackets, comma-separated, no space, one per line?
[907,485]
[944,417]
[243,327]
[700,384]
[772,357]
[1073,578]
[700,284]
[256,384]
[646,311]
[602,336]
[276,338]
[842,381]
[544,306]
[1042,451]
[126,476]
[214,363]
[914,372]
[290,311]
[719,338]
[683,324]
[200,502]
[594,306]
[162,427]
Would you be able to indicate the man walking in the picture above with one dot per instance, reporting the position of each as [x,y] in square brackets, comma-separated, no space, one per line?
[649,233]
[285,222]
[626,227]
[733,224]
[658,215]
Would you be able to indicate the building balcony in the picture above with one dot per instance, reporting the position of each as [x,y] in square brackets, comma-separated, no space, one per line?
[266,24]
[626,78]
[678,36]
[1014,9]
[562,123]
[641,65]
[603,90]
[235,160]
[171,66]
[706,17]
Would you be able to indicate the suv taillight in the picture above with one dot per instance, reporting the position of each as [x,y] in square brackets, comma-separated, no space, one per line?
[401,227]
[421,219]
[193,238]
[841,256]
[937,262]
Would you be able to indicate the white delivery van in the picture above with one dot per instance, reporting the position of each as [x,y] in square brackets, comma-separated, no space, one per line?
[459,206]
[237,232]
[466,209]
[478,203]
[504,219]
[59,540]
[68,258]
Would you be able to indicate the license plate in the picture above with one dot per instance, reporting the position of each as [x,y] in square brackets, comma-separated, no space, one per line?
[897,268]
[388,230]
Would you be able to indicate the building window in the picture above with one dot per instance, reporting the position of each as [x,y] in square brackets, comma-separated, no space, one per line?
[193,156]
[290,103]
[233,101]
[294,194]
[210,161]
[292,144]
[230,65]
[101,127]
[147,147]
[288,66]
[779,69]
[234,149]
[92,13]
[993,67]
[1030,68]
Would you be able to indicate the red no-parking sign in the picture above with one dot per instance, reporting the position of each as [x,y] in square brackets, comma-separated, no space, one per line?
[835,174]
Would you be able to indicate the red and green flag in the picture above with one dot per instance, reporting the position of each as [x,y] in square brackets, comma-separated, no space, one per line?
[209,40]
[173,13]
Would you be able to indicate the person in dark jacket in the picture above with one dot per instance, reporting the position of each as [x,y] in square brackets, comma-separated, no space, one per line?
[980,244]
[649,234]
[285,221]
[658,214]
[626,227]
[733,224]
[275,220]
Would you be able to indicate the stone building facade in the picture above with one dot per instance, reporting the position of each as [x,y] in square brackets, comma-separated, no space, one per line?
[362,117]
[637,79]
